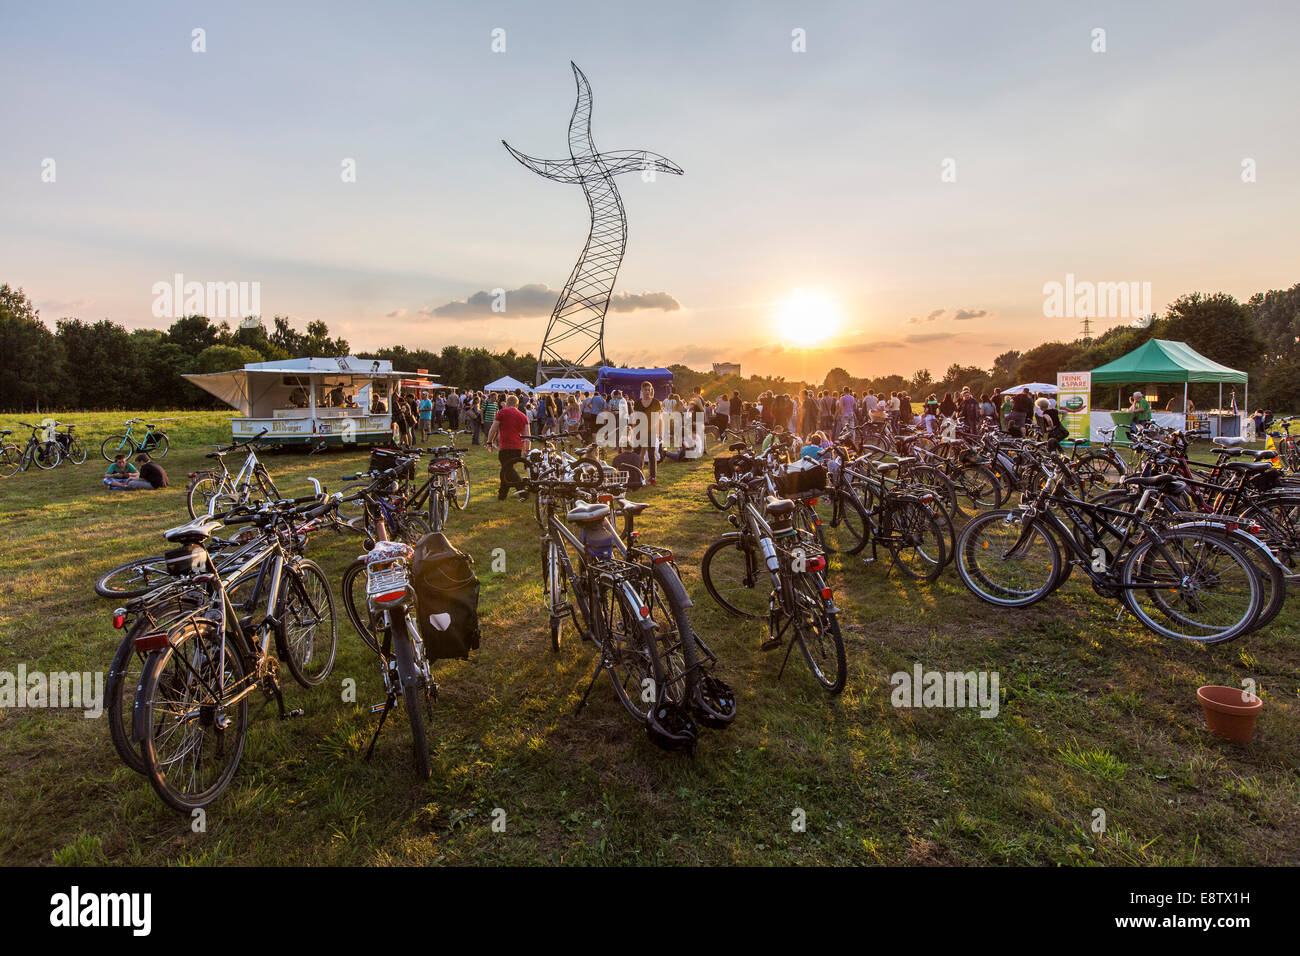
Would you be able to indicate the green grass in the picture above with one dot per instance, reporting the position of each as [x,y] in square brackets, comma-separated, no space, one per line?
[1097,713]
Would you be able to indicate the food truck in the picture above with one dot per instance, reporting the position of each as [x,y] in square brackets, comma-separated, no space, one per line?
[311,401]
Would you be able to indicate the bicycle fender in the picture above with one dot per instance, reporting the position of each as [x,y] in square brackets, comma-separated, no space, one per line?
[671,582]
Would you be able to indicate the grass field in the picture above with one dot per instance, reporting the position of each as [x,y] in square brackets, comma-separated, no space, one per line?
[1096,713]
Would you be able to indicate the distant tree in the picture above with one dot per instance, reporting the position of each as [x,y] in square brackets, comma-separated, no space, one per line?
[110,368]
[192,334]
[1277,318]
[1041,363]
[1219,327]
[224,358]
[837,378]
[34,366]
[922,381]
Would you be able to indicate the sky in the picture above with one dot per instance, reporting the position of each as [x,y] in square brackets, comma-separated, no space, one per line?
[881,187]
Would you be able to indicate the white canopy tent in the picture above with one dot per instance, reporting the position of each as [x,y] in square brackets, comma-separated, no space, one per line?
[506,384]
[566,385]
[1033,387]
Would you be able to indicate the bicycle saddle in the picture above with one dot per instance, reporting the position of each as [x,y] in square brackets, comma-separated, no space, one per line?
[1253,467]
[631,507]
[585,512]
[1229,442]
[200,529]
[779,507]
[215,454]
[1168,483]
[1265,455]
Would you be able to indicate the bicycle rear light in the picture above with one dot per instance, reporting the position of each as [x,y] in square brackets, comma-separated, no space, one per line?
[119,618]
[826,594]
[817,563]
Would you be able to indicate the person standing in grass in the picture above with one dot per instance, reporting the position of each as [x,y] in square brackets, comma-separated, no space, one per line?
[1140,408]
[426,415]
[510,432]
[489,411]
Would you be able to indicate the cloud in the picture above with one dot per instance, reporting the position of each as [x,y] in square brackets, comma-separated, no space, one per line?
[632,301]
[537,299]
[934,315]
[395,314]
[928,337]
[963,315]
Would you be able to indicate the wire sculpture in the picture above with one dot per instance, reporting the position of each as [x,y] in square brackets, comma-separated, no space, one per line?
[577,324]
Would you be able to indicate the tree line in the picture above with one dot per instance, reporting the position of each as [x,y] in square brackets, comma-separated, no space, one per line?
[104,365]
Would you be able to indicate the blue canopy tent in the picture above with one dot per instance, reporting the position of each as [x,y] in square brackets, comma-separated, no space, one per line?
[629,380]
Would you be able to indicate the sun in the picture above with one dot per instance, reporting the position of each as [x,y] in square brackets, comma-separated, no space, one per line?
[807,318]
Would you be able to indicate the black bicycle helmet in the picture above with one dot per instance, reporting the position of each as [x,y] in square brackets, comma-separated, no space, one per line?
[714,703]
[671,727]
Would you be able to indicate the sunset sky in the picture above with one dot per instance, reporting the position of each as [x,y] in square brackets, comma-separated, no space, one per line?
[812,228]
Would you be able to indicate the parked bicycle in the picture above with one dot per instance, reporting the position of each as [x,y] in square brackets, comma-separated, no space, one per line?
[217,491]
[39,450]
[154,441]
[191,706]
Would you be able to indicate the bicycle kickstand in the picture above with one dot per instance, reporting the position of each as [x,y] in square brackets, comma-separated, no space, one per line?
[600,666]
[285,714]
[383,709]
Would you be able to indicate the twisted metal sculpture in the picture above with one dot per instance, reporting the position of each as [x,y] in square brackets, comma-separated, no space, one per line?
[577,324]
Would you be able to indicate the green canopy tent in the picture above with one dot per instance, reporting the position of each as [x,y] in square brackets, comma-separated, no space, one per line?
[1158,360]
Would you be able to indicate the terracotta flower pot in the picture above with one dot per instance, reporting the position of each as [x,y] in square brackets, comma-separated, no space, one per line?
[1227,714]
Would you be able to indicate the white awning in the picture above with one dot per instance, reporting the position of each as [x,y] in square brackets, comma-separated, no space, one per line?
[507,384]
[566,385]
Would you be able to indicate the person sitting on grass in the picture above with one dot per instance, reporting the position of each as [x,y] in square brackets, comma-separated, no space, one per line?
[817,443]
[151,471]
[124,476]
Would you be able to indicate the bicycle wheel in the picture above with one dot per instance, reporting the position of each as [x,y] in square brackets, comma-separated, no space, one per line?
[1099,473]
[159,446]
[844,525]
[461,498]
[11,461]
[635,674]
[48,454]
[353,588]
[736,577]
[979,486]
[817,629]
[415,696]
[409,528]
[190,741]
[1193,586]
[76,452]
[915,538]
[133,579]
[116,445]
[124,673]
[1002,562]
[554,589]
[309,629]
[935,481]
[264,482]
[206,486]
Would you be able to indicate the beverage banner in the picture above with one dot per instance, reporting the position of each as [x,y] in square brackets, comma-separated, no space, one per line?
[1074,390]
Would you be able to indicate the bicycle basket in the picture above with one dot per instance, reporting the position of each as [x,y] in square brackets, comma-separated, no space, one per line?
[442,466]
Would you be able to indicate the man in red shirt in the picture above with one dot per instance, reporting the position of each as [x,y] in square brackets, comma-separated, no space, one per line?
[509,430]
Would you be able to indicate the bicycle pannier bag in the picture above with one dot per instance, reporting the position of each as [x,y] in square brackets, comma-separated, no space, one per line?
[446,597]
[801,476]
[381,459]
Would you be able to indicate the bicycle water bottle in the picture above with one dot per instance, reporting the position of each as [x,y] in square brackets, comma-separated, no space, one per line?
[598,540]
[769,554]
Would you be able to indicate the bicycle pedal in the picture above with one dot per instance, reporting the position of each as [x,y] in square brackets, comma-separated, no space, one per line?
[296,712]
[771,644]
[378,708]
